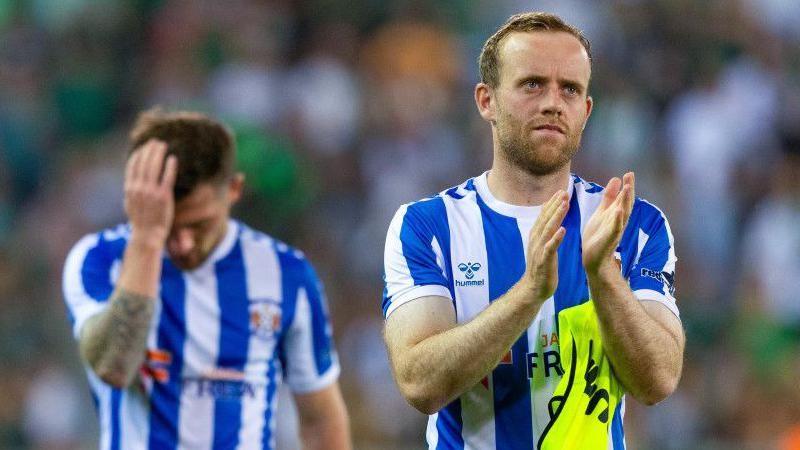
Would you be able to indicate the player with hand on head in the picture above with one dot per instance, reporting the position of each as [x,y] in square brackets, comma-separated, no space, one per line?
[187,320]
[570,303]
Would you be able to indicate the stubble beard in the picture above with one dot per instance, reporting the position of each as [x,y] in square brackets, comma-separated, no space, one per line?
[537,158]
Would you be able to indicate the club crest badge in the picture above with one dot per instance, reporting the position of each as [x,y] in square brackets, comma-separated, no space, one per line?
[265,318]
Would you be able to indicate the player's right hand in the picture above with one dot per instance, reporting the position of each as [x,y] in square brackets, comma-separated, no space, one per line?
[543,241]
[149,201]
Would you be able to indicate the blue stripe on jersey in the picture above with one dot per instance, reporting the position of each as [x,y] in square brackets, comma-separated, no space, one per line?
[165,399]
[322,345]
[617,433]
[470,184]
[423,221]
[116,397]
[95,271]
[234,339]
[573,288]
[453,192]
[95,401]
[291,279]
[629,243]
[272,386]
[512,398]
[655,253]
[449,426]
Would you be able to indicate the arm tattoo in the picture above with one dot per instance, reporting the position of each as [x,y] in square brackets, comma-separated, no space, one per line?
[114,341]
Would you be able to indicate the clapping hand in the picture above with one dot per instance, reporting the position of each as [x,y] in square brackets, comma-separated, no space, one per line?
[544,239]
[603,232]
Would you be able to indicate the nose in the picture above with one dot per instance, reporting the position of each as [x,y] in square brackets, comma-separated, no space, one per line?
[552,103]
[181,241]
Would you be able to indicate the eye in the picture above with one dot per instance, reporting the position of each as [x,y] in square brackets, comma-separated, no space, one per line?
[532,84]
[199,226]
[571,90]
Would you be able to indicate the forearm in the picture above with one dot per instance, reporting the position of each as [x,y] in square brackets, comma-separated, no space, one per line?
[438,369]
[646,356]
[326,435]
[113,342]
[324,423]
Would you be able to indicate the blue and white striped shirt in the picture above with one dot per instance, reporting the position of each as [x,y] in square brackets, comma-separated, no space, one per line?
[466,245]
[223,337]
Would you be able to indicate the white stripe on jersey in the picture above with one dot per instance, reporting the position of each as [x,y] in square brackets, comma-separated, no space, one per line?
[133,420]
[642,241]
[82,306]
[431,433]
[103,395]
[264,284]
[477,404]
[303,362]
[544,320]
[200,351]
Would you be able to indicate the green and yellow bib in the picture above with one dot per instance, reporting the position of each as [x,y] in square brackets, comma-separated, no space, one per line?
[585,399]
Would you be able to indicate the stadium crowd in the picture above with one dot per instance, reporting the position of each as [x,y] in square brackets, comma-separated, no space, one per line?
[342,113]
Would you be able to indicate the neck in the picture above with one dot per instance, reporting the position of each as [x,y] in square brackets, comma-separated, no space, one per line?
[516,186]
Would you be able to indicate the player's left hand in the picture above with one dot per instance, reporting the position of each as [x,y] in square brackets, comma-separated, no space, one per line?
[604,230]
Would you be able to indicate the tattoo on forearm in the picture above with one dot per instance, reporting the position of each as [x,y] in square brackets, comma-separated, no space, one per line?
[115,341]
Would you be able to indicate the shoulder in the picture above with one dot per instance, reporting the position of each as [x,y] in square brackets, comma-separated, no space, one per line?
[432,211]
[648,216]
[261,245]
[107,243]
[586,188]
[589,194]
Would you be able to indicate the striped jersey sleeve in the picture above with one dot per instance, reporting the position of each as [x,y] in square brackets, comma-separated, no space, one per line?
[310,359]
[414,263]
[87,280]
[652,272]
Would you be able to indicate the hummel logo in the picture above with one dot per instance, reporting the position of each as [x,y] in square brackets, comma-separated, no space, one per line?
[469,269]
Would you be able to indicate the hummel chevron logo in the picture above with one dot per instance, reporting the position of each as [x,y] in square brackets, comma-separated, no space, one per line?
[469,269]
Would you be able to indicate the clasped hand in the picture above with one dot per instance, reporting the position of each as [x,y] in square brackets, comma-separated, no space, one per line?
[600,239]
[603,232]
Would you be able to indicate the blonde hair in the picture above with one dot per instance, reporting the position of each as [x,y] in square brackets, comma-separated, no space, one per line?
[488,61]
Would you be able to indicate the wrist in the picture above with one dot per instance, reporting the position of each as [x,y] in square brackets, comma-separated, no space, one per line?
[605,271]
[147,241]
[530,291]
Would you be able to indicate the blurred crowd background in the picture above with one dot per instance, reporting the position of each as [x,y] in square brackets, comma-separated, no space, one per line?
[345,110]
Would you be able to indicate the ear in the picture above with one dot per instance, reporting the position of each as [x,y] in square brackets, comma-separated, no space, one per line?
[484,99]
[589,106]
[235,187]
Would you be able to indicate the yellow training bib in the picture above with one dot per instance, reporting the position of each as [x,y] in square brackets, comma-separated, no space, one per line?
[585,399]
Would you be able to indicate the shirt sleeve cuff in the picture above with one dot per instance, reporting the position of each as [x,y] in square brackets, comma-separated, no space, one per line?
[650,295]
[317,384]
[87,311]
[417,292]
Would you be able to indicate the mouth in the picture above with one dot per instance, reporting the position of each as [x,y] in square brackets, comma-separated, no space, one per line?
[550,128]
